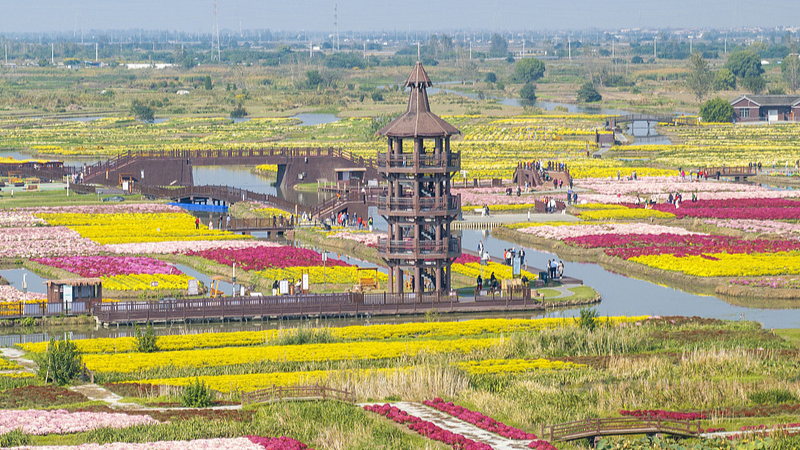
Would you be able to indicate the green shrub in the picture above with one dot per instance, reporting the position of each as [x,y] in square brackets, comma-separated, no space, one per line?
[588,319]
[61,363]
[197,395]
[146,342]
[772,397]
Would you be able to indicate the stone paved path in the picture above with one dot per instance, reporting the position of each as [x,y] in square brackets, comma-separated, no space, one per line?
[468,430]
[15,355]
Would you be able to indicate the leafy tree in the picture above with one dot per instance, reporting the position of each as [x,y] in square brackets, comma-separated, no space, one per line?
[314,79]
[238,112]
[491,77]
[61,363]
[637,60]
[588,94]
[207,83]
[724,80]
[756,85]
[142,112]
[146,342]
[377,96]
[43,62]
[745,64]
[197,395]
[790,69]
[71,62]
[528,92]
[700,77]
[528,70]
[498,46]
[716,110]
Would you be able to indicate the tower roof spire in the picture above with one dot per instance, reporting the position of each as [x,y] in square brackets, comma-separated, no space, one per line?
[418,120]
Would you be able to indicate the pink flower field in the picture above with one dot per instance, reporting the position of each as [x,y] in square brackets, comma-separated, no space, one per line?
[34,242]
[12,294]
[749,208]
[109,266]
[106,209]
[166,247]
[368,239]
[19,219]
[562,232]
[40,422]
[784,229]
[624,191]
[260,258]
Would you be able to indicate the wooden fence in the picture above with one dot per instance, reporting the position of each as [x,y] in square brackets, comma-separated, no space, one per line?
[278,393]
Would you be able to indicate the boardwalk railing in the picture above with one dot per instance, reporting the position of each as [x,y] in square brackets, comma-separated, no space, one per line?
[277,393]
[619,426]
[728,171]
[20,310]
[304,305]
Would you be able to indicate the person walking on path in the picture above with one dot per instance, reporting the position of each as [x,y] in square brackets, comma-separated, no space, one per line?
[219,225]
[370,223]
[211,224]
[480,248]
[522,258]
[228,222]
[197,223]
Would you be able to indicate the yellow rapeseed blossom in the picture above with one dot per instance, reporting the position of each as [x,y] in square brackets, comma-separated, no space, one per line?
[514,365]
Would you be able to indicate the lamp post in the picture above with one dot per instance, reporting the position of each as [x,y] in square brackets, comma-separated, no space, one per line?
[234,280]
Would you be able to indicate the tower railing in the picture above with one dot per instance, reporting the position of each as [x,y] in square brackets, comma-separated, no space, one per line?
[423,204]
[452,162]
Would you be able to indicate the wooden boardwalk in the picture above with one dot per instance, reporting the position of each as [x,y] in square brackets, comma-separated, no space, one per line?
[348,304]
[619,426]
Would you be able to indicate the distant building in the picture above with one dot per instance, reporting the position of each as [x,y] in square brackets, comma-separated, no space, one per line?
[766,108]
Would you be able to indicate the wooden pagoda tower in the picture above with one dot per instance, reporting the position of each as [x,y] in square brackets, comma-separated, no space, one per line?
[418,166]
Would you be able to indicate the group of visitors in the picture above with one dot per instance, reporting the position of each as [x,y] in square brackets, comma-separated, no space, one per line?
[555,269]
[227,223]
[510,253]
[343,219]
[492,283]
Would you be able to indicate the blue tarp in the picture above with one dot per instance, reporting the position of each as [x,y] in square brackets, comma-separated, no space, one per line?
[203,208]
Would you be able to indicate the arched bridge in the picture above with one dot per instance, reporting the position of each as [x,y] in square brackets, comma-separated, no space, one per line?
[619,426]
[613,121]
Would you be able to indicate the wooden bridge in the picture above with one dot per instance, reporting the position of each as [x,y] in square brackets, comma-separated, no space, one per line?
[592,428]
[737,173]
[612,122]
[312,392]
[221,195]
[295,165]
[346,304]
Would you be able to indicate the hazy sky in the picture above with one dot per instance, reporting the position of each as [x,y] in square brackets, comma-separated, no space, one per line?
[403,15]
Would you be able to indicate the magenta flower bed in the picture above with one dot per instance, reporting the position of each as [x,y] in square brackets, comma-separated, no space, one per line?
[427,429]
[279,443]
[750,208]
[542,445]
[478,419]
[661,414]
[632,245]
[109,266]
[466,259]
[260,258]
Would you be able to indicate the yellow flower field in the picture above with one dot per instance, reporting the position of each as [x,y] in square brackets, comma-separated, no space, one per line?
[357,332]
[624,214]
[735,265]
[140,282]
[335,274]
[8,365]
[132,362]
[514,365]
[137,227]
[501,271]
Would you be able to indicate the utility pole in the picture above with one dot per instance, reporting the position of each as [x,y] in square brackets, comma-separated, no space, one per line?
[569,47]
[52,54]
[654,46]
[336,24]
[96,51]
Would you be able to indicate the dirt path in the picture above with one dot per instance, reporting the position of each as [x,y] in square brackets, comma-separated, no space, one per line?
[96,392]
[465,429]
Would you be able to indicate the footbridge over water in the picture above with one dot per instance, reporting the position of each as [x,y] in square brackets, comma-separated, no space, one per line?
[613,121]
[220,195]
[173,167]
